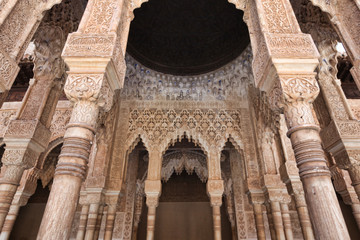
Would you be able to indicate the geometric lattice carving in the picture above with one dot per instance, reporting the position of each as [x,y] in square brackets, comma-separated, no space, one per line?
[159,127]
[190,161]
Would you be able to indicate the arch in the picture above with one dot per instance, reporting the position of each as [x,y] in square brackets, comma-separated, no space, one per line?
[52,145]
[184,160]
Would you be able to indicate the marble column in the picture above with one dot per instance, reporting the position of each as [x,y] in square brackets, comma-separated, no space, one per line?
[152,191]
[98,221]
[283,66]
[256,198]
[83,90]
[342,184]
[259,221]
[96,70]
[83,222]
[110,220]
[215,189]
[290,175]
[277,219]
[9,221]
[270,220]
[29,133]
[286,220]
[314,173]
[27,188]
[91,222]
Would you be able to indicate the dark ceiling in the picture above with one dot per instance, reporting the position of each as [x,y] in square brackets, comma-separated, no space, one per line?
[187,37]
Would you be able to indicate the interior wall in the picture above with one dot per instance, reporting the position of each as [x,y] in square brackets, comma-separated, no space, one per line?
[184,220]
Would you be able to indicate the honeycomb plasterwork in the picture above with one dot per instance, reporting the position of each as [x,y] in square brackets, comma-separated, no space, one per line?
[227,83]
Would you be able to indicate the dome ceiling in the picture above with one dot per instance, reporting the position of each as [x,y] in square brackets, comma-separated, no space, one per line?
[187,37]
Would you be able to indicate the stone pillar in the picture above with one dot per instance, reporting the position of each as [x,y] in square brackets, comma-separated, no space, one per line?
[83,222]
[91,222]
[286,220]
[340,137]
[9,221]
[342,16]
[97,69]
[290,176]
[356,212]
[342,184]
[27,188]
[215,189]
[283,66]
[98,222]
[111,200]
[303,212]
[270,221]
[277,219]
[25,16]
[29,134]
[152,191]
[138,207]
[259,221]
[257,200]
[110,220]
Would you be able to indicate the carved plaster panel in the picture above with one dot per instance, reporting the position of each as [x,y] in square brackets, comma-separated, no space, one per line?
[227,83]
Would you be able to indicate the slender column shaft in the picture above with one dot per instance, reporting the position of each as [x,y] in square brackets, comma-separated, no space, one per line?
[83,222]
[151,222]
[356,212]
[8,185]
[305,223]
[278,223]
[98,222]
[259,221]
[110,220]
[303,214]
[217,222]
[287,221]
[355,178]
[271,222]
[9,221]
[152,191]
[91,223]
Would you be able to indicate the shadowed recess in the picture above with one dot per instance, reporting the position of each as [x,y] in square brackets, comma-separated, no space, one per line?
[186,37]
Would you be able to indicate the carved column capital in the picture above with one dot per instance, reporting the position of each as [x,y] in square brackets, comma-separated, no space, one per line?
[215,189]
[152,191]
[256,196]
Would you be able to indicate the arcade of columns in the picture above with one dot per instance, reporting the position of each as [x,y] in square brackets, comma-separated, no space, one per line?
[290,141]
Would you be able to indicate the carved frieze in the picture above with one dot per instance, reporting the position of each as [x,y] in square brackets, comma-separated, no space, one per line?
[158,127]
[227,83]
[8,70]
[79,44]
